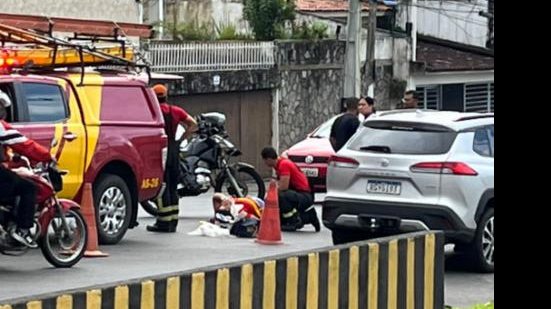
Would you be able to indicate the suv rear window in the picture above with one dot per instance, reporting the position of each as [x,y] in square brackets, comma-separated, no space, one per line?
[403,138]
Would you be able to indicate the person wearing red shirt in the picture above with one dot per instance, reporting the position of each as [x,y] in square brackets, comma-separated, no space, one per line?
[295,196]
[167,218]
[13,185]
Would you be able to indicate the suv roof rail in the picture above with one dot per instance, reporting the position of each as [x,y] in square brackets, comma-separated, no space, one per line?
[472,117]
[402,111]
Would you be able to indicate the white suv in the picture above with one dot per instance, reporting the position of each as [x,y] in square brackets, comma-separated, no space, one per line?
[417,170]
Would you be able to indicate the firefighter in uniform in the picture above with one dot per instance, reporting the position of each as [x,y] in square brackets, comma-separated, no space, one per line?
[167,217]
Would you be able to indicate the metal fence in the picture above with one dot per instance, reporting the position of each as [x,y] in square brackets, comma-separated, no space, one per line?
[210,56]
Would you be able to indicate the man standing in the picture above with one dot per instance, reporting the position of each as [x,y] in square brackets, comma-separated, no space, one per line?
[410,100]
[295,197]
[167,218]
[346,125]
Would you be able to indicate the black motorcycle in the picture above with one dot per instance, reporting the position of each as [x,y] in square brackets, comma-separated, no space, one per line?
[206,162]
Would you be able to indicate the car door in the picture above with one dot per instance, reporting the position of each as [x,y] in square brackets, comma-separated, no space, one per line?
[49,109]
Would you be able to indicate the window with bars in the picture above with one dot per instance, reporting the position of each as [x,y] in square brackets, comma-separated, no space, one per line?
[479,97]
[429,97]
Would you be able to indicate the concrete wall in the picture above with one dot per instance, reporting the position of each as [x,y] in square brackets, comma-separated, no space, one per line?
[455,21]
[406,271]
[226,81]
[116,10]
[311,85]
[212,12]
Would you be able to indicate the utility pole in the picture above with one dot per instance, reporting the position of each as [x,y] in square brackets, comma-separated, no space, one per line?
[161,7]
[352,78]
[490,16]
[370,50]
[175,13]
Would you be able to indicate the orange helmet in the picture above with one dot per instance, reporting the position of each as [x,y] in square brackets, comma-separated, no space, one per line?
[160,90]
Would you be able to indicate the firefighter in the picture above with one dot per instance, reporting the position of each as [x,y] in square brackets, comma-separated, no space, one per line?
[167,217]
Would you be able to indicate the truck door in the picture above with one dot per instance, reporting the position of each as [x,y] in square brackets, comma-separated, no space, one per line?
[51,109]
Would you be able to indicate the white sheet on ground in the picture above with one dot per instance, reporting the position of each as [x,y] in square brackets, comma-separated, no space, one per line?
[210,230]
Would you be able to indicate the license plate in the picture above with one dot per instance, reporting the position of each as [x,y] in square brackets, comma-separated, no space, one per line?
[310,171]
[384,187]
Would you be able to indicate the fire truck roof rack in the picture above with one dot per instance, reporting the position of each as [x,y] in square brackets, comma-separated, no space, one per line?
[40,50]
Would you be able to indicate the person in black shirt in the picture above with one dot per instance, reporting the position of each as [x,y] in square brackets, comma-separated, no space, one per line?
[346,125]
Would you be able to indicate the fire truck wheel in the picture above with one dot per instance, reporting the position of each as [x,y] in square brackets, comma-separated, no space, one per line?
[113,208]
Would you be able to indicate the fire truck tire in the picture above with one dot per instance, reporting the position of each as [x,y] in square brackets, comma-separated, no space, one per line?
[113,204]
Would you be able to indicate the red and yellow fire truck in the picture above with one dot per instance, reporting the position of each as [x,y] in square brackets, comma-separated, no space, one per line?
[108,123]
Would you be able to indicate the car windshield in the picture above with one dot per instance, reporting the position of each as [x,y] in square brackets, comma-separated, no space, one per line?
[324,129]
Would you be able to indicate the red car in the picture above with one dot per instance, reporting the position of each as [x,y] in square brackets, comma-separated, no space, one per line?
[312,154]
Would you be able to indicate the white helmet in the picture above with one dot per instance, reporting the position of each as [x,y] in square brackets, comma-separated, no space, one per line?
[258,202]
[5,99]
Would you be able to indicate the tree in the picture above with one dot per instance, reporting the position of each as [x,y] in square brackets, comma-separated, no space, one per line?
[267,16]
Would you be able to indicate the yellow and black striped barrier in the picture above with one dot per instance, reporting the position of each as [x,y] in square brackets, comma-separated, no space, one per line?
[399,272]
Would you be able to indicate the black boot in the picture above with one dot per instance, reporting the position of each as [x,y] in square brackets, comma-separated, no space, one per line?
[292,224]
[311,217]
[162,227]
[315,220]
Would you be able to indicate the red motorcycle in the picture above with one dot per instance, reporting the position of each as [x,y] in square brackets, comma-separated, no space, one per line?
[59,227]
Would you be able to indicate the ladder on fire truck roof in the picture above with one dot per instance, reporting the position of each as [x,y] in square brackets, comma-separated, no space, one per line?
[43,51]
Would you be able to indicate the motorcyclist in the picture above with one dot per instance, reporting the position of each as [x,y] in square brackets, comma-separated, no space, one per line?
[11,184]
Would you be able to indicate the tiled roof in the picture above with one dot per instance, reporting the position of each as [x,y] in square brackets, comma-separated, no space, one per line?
[442,57]
[330,6]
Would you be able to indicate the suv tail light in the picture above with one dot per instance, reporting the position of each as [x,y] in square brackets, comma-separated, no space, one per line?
[337,161]
[450,168]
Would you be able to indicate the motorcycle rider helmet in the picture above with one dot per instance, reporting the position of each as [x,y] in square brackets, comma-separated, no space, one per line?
[5,99]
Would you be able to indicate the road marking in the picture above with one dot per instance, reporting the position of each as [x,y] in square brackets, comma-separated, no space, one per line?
[333,280]
[410,300]
[247,286]
[353,275]
[173,293]
[313,281]
[373,277]
[392,274]
[64,302]
[148,295]
[291,285]
[223,288]
[429,271]
[268,301]
[121,297]
[93,299]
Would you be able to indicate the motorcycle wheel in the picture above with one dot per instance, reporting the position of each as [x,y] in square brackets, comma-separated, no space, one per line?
[248,180]
[150,206]
[62,250]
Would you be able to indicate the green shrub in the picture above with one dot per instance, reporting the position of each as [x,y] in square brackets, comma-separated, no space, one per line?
[266,16]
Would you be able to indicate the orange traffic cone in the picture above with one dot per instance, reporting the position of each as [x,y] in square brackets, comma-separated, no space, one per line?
[89,213]
[269,232]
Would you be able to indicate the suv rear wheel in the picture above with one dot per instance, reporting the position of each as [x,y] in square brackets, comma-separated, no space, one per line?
[113,208]
[481,250]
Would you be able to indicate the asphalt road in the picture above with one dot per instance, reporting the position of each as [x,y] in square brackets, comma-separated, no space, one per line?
[142,254]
